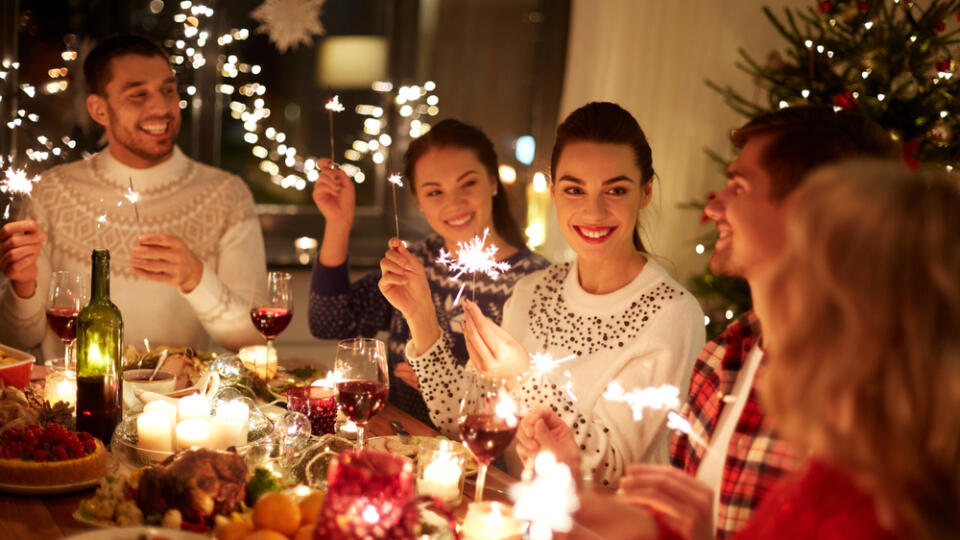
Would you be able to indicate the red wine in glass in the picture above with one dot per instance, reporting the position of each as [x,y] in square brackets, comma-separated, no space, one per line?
[361,400]
[270,322]
[63,322]
[361,369]
[486,435]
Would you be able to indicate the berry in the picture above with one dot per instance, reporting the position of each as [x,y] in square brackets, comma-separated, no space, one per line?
[40,455]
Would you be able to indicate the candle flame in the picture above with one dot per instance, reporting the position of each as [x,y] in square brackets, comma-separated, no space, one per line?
[334,105]
[652,397]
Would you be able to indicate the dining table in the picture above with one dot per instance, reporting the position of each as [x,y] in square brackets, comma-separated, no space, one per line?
[42,517]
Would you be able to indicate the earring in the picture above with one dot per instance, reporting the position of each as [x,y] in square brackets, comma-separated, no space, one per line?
[495,191]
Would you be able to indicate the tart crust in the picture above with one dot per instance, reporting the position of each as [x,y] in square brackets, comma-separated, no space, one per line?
[55,473]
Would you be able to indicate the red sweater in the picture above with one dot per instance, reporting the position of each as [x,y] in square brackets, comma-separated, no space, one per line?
[816,501]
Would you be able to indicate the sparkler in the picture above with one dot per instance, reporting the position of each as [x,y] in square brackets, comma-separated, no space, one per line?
[546,497]
[16,184]
[681,424]
[473,257]
[333,106]
[133,196]
[544,362]
[396,181]
[652,397]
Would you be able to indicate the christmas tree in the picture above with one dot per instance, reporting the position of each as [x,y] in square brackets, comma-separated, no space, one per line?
[891,60]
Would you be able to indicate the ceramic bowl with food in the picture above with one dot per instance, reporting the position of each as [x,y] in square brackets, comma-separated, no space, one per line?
[15,366]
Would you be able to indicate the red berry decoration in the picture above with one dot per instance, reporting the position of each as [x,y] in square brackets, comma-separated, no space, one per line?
[943,65]
[863,7]
[825,7]
[50,443]
[939,27]
[845,100]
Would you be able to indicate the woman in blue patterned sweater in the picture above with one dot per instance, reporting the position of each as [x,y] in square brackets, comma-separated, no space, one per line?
[452,171]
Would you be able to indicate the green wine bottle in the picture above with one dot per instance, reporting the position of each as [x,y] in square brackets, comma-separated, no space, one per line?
[99,345]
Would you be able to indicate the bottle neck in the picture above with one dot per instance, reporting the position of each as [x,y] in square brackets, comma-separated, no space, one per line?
[100,275]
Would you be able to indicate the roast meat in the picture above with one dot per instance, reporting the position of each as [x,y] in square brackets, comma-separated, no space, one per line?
[198,482]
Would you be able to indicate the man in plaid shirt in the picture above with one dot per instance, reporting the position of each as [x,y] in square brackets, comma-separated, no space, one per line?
[733,456]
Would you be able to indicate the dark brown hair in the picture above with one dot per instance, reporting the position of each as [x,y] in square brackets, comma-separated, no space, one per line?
[605,122]
[809,136]
[96,67]
[451,133]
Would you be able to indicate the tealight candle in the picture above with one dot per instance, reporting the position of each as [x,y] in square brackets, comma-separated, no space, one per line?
[154,435]
[193,432]
[256,359]
[229,425]
[61,385]
[440,470]
[193,406]
[490,520]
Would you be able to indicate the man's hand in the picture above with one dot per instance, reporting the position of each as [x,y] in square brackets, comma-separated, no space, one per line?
[167,259]
[685,502]
[493,349]
[544,430]
[20,246]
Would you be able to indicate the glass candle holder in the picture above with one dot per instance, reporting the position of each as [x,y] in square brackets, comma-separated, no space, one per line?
[61,385]
[260,360]
[318,403]
[491,520]
[440,468]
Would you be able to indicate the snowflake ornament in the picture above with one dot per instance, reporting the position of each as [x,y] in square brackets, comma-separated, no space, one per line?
[289,23]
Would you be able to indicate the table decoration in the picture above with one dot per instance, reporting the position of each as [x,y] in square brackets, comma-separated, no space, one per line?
[318,403]
[193,406]
[60,384]
[440,470]
[490,520]
[155,435]
[193,432]
[229,425]
[260,360]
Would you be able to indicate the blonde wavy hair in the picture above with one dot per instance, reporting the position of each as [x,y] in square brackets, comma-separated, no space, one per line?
[864,339]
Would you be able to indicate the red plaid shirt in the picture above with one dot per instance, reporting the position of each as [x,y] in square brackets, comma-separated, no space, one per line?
[756,457]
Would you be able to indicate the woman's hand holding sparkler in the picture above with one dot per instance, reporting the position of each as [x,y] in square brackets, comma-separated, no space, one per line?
[404,284]
[20,246]
[492,349]
[544,430]
[335,197]
[685,503]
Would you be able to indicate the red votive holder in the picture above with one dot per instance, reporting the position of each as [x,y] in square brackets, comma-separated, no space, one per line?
[318,403]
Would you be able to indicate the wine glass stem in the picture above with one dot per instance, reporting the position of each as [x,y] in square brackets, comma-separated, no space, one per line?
[360,436]
[481,480]
[271,354]
[66,354]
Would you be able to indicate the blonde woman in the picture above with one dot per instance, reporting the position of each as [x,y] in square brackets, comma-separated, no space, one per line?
[864,341]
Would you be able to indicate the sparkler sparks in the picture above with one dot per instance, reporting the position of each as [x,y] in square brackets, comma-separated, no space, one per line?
[652,397]
[548,500]
[133,197]
[545,362]
[506,408]
[333,106]
[473,257]
[396,181]
[681,424]
[16,184]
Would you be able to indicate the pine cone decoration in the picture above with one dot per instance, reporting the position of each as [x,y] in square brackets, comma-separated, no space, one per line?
[60,412]
[34,394]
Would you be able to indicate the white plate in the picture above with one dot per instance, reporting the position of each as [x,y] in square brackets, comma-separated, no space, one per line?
[48,490]
[133,533]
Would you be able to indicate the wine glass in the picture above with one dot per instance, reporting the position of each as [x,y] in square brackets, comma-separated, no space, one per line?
[272,310]
[64,300]
[488,422]
[362,380]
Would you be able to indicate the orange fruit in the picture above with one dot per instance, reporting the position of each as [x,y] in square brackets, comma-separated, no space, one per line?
[305,532]
[310,507]
[265,534]
[235,530]
[277,512]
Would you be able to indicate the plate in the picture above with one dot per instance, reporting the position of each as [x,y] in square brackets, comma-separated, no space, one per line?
[48,490]
[135,533]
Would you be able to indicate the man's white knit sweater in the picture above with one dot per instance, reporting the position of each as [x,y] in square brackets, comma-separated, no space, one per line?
[210,209]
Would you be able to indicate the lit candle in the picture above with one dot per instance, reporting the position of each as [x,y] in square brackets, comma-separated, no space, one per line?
[154,435]
[229,426]
[490,520]
[440,477]
[169,410]
[193,432]
[193,406]
[61,385]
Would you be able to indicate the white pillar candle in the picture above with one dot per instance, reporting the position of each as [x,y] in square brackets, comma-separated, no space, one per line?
[193,406]
[193,432]
[154,435]
[170,410]
[229,426]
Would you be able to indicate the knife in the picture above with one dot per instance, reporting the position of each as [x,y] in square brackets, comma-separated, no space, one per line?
[402,433]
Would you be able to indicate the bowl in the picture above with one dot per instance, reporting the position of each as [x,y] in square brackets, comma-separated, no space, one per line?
[15,366]
[134,379]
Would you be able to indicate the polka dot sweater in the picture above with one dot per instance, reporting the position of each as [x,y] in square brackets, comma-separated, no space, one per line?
[647,333]
[340,309]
